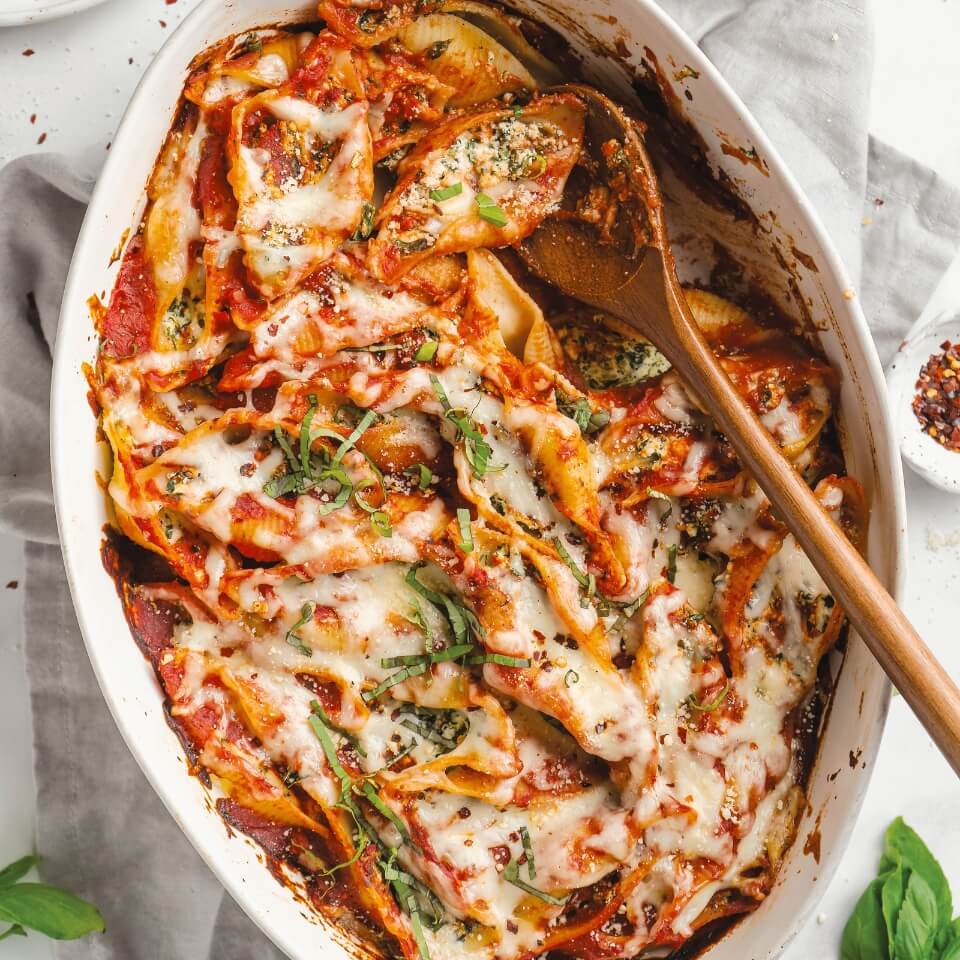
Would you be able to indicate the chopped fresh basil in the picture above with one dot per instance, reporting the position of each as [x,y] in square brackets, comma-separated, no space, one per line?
[306,615]
[499,658]
[370,792]
[713,705]
[423,474]
[446,193]
[657,495]
[466,534]
[511,873]
[315,707]
[528,852]
[365,228]
[627,610]
[672,562]
[414,246]
[307,470]
[570,678]
[365,421]
[427,351]
[380,522]
[476,450]
[343,495]
[488,209]
[251,43]
[420,621]
[407,673]
[582,578]
[437,656]
[462,620]
[443,728]
[582,414]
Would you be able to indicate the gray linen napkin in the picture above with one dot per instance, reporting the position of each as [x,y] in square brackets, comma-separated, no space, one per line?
[803,69]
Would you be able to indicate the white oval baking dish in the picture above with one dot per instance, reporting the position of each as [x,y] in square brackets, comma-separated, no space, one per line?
[853,731]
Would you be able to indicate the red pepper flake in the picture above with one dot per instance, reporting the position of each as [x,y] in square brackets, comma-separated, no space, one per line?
[501,855]
[170,3]
[12,584]
[42,137]
[163,23]
[29,52]
[33,118]
[937,403]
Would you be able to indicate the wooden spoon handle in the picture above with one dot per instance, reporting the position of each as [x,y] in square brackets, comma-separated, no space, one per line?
[907,660]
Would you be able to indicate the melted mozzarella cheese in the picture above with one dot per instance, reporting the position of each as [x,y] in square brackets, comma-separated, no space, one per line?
[290,226]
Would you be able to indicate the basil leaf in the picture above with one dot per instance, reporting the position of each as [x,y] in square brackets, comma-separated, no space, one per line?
[891,899]
[380,522]
[414,246]
[713,705]
[501,659]
[528,852]
[293,638]
[370,792]
[365,421]
[672,562]
[462,620]
[489,210]
[424,473]
[317,708]
[427,351]
[476,450]
[414,670]
[445,193]
[951,938]
[865,935]
[466,534]
[511,873]
[365,227]
[438,656]
[903,846]
[49,910]
[343,495]
[917,922]
[444,728]
[578,574]
[19,868]
[322,733]
[306,441]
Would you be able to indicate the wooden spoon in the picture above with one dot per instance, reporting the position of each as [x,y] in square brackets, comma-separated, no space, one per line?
[640,287]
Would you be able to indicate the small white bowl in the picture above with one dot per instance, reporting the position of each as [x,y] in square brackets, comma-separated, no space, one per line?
[939,321]
[18,12]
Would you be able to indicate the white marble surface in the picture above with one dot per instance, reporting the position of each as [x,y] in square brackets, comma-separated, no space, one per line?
[74,88]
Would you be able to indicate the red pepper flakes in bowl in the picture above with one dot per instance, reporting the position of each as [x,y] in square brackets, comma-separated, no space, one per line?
[937,402]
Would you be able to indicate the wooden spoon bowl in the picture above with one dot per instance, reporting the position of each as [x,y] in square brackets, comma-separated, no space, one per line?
[637,283]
